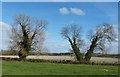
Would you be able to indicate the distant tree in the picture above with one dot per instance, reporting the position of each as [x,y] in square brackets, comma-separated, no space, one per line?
[73,34]
[103,34]
[26,34]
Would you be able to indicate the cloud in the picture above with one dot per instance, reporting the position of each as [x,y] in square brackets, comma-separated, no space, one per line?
[77,11]
[5,30]
[64,10]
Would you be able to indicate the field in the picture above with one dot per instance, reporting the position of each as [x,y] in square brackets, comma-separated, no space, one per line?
[40,68]
[45,57]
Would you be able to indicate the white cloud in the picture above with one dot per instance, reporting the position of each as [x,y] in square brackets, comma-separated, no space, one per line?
[77,11]
[64,10]
[5,30]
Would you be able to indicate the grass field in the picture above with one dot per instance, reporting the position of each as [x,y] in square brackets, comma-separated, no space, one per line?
[30,68]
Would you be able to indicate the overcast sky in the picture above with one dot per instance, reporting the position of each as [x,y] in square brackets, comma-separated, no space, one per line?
[87,15]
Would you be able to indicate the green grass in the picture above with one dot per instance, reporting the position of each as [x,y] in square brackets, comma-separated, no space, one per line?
[30,68]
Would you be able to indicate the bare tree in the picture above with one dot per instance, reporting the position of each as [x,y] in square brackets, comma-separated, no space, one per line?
[103,34]
[26,34]
[72,33]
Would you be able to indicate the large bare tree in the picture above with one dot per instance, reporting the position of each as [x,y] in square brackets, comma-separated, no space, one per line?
[103,34]
[73,34]
[26,34]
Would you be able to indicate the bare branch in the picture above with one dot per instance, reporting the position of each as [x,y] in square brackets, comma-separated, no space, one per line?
[72,34]
[104,33]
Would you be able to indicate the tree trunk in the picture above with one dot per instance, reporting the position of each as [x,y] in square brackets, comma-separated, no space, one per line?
[76,50]
[78,55]
[88,55]
[22,54]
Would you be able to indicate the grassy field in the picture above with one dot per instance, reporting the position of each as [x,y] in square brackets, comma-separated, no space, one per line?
[30,68]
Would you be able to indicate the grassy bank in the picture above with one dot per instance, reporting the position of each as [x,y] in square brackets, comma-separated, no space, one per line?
[32,68]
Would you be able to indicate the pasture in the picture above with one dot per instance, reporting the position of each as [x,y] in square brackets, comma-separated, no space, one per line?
[40,68]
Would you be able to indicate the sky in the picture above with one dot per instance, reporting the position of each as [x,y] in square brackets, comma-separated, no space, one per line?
[58,14]
[60,0]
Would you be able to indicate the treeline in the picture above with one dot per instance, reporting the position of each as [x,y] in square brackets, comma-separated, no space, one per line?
[14,52]
[108,55]
[8,52]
